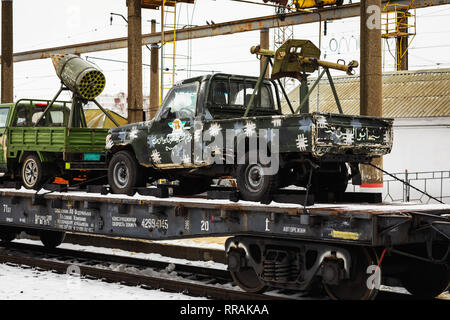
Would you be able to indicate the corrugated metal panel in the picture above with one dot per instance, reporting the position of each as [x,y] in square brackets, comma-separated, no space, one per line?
[95,118]
[406,94]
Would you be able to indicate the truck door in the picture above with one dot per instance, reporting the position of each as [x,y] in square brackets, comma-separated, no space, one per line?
[170,139]
[4,112]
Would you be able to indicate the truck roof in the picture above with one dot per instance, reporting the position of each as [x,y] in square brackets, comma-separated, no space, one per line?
[220,76]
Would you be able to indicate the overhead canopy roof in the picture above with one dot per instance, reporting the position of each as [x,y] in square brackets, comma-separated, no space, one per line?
[95,118]
[406,94]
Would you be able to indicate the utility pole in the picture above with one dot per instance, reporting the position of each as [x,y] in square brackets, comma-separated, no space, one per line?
[401,42]
[154,76]
[7,90]
[135,97]
[371,81]
[264,44]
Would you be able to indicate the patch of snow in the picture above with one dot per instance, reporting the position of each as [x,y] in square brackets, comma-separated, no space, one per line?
[138,255]
[31,284]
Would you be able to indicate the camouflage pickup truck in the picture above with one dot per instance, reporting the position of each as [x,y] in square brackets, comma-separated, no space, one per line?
[37,147]
[200,133]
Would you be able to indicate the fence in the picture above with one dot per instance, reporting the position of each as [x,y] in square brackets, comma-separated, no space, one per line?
[433,183]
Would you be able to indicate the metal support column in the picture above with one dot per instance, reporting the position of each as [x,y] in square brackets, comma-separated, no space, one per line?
[264,44]
[401,43]
[135,99]
[7,91]
[371,79]
[154,76]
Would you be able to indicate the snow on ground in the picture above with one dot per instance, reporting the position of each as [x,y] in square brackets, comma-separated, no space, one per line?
[18,283]
[30,284]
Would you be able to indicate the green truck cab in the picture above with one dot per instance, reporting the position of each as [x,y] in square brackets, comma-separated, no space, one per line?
[38,147]
[195,137]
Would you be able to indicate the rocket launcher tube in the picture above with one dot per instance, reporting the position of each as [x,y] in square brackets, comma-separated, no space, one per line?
[79,76]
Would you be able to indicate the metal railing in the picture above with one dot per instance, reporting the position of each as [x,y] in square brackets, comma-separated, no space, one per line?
[433,183]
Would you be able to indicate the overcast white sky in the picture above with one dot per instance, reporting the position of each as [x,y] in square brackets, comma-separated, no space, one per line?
[49,23]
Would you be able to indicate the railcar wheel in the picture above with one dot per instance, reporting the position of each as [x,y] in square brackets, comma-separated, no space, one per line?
[426,280]
[124,174]
[32,172]
[52,239]
[356,287]
[6,236]
[253,182]
[247,279]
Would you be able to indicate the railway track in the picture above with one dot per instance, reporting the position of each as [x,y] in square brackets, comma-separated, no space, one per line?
[190,280]
[151,274]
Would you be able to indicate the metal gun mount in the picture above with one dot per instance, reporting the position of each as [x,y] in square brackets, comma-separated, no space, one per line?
[85,82]
[297,59]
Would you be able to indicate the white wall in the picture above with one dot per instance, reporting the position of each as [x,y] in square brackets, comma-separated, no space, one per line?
[420,144]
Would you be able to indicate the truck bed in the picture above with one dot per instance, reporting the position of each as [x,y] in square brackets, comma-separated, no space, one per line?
[322,133]
[56,139]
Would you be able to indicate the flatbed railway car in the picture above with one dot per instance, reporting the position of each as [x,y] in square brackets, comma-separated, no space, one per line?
[339,247]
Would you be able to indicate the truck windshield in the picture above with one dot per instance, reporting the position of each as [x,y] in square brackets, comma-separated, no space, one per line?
[3,117]
[181,102]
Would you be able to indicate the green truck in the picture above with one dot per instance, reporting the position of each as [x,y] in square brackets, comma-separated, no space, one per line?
[59,145]
[47,139]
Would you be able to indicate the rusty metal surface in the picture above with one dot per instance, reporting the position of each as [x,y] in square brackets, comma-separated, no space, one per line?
[330,13]
[420,93]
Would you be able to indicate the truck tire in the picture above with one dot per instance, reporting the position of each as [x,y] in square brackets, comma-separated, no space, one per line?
[124,173]
[32,172]
[252,183]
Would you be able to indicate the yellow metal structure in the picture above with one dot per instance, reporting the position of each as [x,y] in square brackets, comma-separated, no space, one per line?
[399,21]
[305,4]
[168,45]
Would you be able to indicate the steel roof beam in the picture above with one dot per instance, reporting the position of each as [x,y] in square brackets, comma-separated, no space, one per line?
[329,13]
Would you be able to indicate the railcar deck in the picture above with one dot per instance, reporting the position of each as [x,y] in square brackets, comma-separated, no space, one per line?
[148,217]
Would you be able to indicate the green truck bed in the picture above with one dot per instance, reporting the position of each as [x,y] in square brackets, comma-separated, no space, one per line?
[48,139]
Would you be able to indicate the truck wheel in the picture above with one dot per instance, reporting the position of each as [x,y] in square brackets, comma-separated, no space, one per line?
[32,172]
[52,239]
[253,183]
[124,173]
